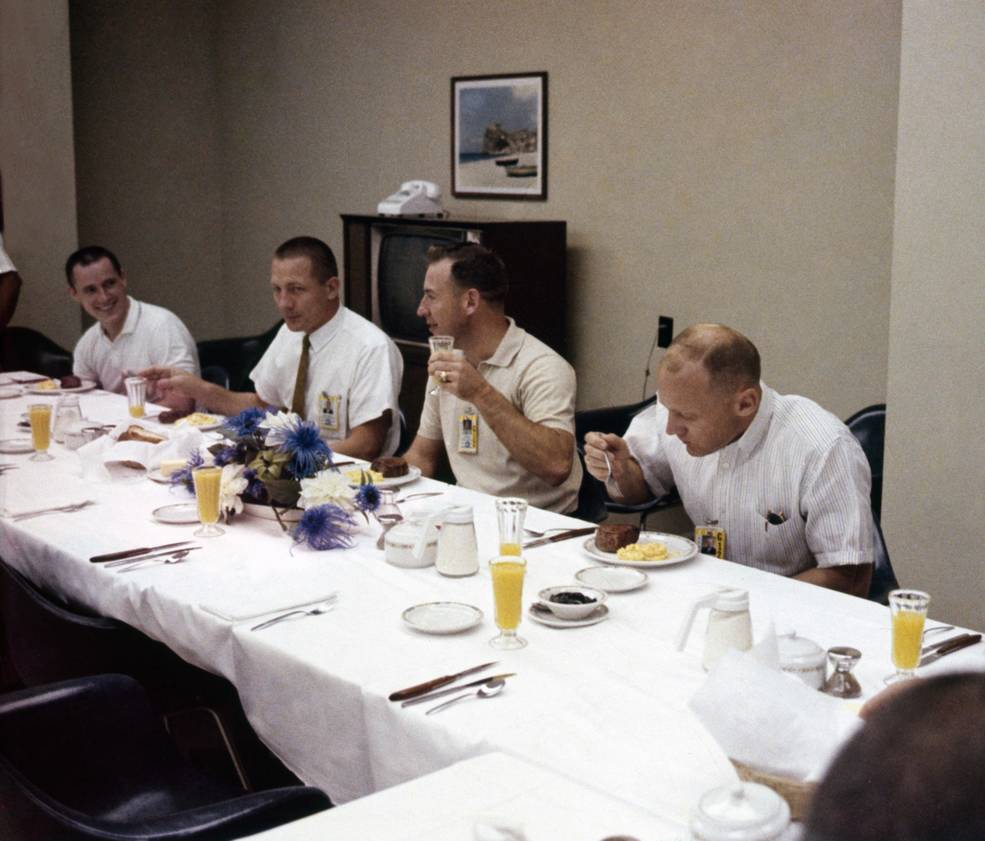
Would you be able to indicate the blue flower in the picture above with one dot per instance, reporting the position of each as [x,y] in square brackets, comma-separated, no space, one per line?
[368,497]
[183,476]
[246,423]
[309,453]
[255,489]
[226,455]
[325,527]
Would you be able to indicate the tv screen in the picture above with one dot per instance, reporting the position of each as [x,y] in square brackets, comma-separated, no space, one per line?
[400,278]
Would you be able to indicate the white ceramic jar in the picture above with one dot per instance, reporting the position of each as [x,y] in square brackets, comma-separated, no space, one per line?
[802,658]
[400,542]
[458,552]
[740,812]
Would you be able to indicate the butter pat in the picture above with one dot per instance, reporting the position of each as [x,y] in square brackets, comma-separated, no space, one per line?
[172,465]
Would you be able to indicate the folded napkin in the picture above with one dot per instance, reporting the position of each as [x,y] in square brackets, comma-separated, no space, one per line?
[107,458]
[256,604]
[770,721]
[22,493]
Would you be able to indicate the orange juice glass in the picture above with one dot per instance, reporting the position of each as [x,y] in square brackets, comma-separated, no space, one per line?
[208,484]
[507,577]
[908,609]
[510,514]
[39,414]
[136,395]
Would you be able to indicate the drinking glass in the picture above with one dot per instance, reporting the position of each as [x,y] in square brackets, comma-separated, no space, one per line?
[909,610]
[39,415]
[507,578]
[136,395]
[67,412]
[208,484]
[439,343]
[510,512]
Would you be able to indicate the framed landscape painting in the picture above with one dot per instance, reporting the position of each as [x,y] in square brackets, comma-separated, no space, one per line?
[499,136]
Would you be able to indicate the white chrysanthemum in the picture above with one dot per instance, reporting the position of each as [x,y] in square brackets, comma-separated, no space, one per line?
[326,486]
[278,426]
[232,485]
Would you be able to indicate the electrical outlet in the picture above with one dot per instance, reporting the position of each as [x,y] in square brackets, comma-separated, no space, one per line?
[665,331]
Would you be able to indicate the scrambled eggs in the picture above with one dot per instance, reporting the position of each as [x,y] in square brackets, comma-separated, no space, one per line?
[653,551]
[47,385]
[355,476]
[197,419]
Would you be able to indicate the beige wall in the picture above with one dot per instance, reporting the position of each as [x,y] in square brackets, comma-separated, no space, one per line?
[147,141]
[726,161]
[934,511]
[37,160]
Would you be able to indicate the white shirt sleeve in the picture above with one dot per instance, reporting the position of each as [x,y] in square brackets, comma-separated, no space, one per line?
[374,384]
[178,346]
[645,440]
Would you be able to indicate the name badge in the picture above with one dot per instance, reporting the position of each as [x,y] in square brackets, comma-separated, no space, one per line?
[468,434]
[328,411]
[710,540]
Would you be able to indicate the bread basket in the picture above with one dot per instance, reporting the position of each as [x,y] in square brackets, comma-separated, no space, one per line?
[798,794]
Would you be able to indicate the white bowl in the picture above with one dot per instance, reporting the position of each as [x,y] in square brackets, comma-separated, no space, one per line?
[571,611]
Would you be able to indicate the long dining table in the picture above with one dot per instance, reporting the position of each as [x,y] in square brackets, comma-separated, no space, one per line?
[605,705]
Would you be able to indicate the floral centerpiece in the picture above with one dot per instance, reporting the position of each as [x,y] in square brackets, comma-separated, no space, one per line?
[279,460]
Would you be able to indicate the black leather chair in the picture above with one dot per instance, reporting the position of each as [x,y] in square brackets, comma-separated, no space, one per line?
[216,374]
[88,759]
[614,419]
[869,427]
[237,356]
[24,349]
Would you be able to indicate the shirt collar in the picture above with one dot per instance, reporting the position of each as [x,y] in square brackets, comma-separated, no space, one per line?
[756,432]
[328,331]
[509,346]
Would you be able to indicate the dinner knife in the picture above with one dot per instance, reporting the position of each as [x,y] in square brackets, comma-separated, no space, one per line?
[437,683]
[133,553]
[555,538]
[950,647]
[927,649]
[420,699]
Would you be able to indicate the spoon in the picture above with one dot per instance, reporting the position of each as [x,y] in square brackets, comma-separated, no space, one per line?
[178,557]
[487,690]
[418,496]
[388,521]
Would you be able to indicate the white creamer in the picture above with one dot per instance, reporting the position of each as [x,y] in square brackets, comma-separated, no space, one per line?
[458,552]
[729,624]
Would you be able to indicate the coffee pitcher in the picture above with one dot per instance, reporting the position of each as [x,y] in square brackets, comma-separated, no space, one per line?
[729,624]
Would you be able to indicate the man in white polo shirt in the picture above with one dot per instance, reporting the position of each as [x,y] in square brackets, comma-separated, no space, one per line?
[327,363]
[128,334]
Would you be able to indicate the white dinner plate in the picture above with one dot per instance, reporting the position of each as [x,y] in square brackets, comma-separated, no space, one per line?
[413,474]
[680,548]
[16,445]
[9,391]
[179,514]
[612,579]
[206,427]
[87,385]
[442,617]
[159,477]
[542,614]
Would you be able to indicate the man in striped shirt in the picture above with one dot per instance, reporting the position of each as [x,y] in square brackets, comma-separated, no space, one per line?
[784,478]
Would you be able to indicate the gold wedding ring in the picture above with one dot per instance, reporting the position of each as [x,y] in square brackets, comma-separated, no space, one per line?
[443,376]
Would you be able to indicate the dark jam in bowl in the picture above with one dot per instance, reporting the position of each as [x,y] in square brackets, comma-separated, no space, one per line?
[571,598]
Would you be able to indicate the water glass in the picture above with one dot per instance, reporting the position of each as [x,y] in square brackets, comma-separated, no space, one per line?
[67,412]
[136,395]
[39,414]
[908,609]
[510,512]
[507,578]
[438,344]
[208,487]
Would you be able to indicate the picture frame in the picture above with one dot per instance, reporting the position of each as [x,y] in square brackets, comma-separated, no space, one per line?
[499,136]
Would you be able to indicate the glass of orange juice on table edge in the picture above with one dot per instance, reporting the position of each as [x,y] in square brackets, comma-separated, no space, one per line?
[208,484]
[908,609]
[39,415]
[507,578]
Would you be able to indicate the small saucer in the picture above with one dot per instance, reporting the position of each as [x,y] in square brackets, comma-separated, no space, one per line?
[9,391]
[179,514]
[442,617]
[16,445]
[612,579]
[542,614]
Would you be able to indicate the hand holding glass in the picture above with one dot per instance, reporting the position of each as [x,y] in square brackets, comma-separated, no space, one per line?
[507,578]
[208,485]
[136,395]
[39,415]
[439,343]
[908,609]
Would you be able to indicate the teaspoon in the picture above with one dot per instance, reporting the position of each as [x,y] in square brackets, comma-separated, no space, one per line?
[487,690]
[178,557]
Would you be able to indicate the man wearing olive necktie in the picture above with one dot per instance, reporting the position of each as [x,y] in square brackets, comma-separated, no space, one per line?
[327,364]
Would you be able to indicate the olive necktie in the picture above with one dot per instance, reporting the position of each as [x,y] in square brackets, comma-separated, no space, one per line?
[301,381]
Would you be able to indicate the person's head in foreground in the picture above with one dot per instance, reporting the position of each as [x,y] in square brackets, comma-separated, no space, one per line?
[913,771]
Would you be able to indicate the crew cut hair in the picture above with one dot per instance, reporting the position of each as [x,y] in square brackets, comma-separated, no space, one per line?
[731,360]
[86,257]
[474,267]
[320,256]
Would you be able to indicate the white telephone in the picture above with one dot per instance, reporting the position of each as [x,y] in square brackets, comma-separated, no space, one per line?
[414,198]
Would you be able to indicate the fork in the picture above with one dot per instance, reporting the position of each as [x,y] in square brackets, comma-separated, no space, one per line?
[535,533]
[318,609]
[63,509]
[175,558]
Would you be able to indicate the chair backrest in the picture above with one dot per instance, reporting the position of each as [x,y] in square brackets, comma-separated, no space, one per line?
[869,427]
[216,374]
[24,349]
[238,356]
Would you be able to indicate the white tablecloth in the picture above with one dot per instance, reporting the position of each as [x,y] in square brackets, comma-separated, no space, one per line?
[605,704]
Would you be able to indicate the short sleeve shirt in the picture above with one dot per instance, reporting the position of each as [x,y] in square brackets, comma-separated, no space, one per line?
[541,385]
[795,458]
[151,335]
[354,374]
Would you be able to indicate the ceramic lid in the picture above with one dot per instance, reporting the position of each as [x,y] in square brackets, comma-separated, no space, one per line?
[459,514]
[732,601]
[799,652]
[740,812]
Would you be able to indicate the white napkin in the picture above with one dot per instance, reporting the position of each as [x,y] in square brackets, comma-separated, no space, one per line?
[107,458]
[23,493]
[769,721]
